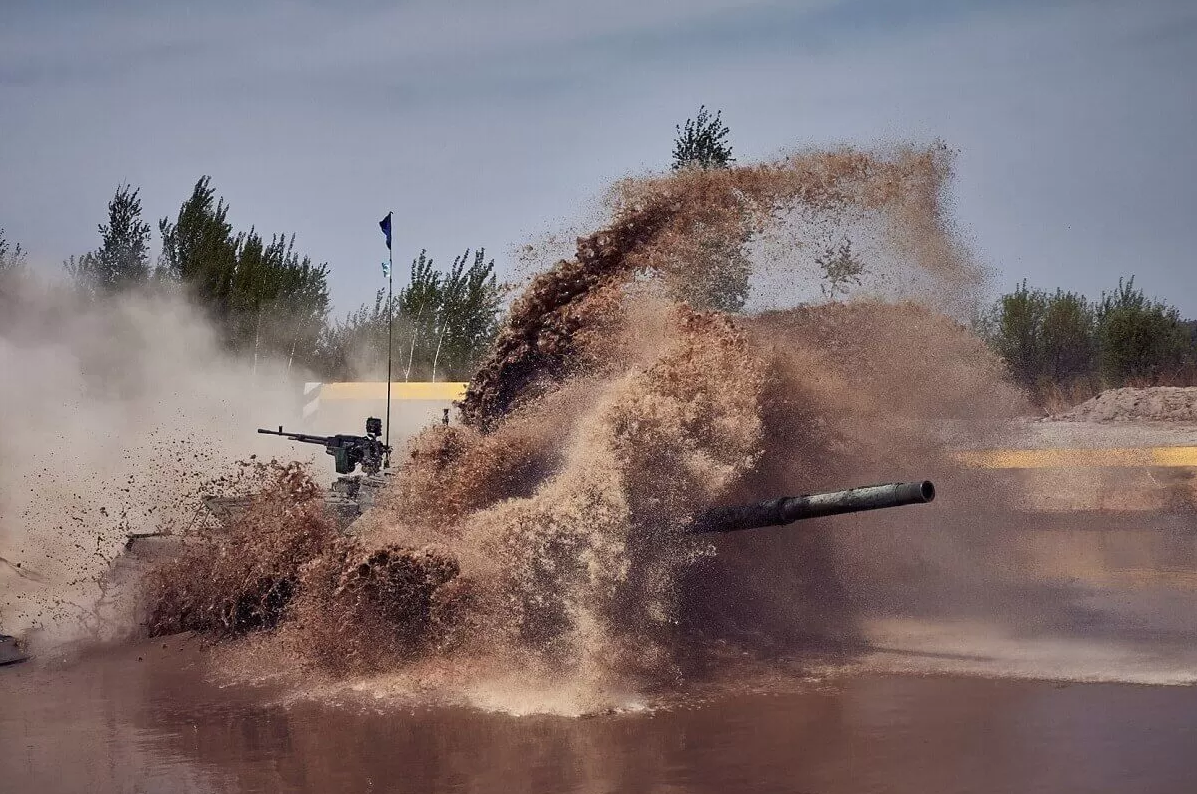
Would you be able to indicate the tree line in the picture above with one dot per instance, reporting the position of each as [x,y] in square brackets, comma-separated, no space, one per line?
[442,323]
[1063,346]
[267,299]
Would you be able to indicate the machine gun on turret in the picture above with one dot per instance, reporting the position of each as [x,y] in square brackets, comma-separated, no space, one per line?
[348,451]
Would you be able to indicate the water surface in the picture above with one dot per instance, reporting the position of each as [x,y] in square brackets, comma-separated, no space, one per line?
[148,719]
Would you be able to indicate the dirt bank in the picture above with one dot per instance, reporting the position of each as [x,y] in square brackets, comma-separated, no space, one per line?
[1156,403]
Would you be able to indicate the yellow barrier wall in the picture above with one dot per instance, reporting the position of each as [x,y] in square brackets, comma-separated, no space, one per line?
[399,391]
[1151,457]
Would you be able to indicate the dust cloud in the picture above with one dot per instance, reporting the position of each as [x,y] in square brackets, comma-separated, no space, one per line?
[115,413]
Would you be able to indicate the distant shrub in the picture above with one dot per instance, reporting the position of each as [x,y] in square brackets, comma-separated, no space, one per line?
[1142,340]
[1016,333]
[1063,347]
[1045,338]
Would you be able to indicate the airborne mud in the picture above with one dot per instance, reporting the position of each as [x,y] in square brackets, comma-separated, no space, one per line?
[544,540]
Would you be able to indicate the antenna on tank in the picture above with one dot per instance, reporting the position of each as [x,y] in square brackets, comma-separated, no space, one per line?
[385,224]
[390,323]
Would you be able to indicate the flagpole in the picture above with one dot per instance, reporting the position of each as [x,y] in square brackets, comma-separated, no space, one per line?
[390,305]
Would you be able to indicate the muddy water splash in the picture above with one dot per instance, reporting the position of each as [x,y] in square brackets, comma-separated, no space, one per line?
[546,538]
[665,226]
[115,412]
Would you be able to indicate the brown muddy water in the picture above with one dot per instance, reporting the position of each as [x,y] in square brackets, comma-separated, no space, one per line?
[148,719]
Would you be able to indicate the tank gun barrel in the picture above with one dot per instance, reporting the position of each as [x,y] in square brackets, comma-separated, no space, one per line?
[788,509]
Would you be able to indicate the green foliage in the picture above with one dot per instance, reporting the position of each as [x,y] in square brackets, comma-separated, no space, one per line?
[1016,333]
[467,322]
[1061,340]
[420,304]
[123,260]
[1069,345]
[718,276]
[840,268]
[12,256]
[264,297]
[278,300]
[702,143]
[199,249]
[1141,339]
[268,300]
[443,323]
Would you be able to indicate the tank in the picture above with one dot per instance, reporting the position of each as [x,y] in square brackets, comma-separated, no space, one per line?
[352,494]
[346,500]
[350,497]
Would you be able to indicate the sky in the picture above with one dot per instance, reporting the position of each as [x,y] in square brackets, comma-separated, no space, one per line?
[488,123]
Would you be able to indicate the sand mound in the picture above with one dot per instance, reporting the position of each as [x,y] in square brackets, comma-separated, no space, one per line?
[1157,403]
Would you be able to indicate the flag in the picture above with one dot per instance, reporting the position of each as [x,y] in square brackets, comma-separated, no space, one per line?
[385,225]
[386,269]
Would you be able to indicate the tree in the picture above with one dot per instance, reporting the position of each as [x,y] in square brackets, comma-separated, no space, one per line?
[122,261]
[265,297]
[443,323]
[467,321]
[1064,340]
[1046,339]
[420,304]
[1069,342]
[199,249]
[840,268]
[717,277]
[1016,333]
[278,301]
[702,143]
[1141,339]
[12,256]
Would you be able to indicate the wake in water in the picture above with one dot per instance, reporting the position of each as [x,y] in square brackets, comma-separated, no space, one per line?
[545,541]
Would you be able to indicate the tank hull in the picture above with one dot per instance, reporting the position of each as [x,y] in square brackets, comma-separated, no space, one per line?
[10,651]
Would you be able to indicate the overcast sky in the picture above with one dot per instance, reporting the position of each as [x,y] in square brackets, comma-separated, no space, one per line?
[490,122]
